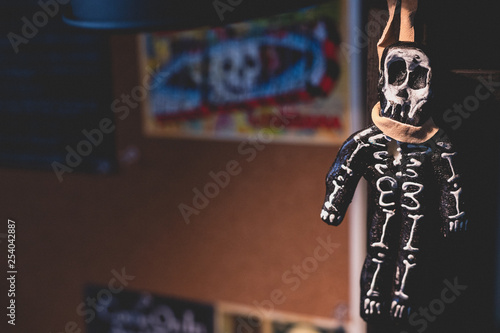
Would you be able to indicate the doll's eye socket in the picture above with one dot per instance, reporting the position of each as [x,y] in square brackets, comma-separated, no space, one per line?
[418,78]
[397,72]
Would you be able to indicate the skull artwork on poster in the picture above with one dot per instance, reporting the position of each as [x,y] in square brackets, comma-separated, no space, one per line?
[410,166]
[235,72]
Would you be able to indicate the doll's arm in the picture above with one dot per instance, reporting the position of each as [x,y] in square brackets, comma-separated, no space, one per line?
[342,179]
[451,200]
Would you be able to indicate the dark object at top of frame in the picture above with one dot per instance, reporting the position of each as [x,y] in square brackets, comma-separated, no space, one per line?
[146,15]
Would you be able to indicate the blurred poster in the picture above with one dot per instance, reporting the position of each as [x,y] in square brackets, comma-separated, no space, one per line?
[141,312]
[301,327]
[236,323]
[110,310]
[284,76]
[232,318]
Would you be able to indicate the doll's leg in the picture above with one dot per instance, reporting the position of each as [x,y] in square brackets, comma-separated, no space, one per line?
[379,265]
[406,278]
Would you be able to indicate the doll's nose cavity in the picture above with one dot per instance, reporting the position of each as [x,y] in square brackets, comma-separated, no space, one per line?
[402,93]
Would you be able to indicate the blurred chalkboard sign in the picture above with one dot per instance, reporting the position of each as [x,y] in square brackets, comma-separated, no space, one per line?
[110,310]
[55,92]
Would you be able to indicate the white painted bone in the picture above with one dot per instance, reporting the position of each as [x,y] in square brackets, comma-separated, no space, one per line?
[408,246]
[372,291]
[400,293]
[412,195]
[381,156]
[448,157]
[388,215]
[456,194]
[383,194]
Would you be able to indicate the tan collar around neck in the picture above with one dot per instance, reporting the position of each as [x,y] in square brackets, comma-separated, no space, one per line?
[403,132]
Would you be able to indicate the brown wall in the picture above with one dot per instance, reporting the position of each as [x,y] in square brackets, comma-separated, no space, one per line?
[236,249]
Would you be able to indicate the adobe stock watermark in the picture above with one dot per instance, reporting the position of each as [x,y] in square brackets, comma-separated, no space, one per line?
[121,107]
[222,6]
[292,279]
[249,148]
[30,27]
[471,103]
[103,298]
[372,30]
[437,306]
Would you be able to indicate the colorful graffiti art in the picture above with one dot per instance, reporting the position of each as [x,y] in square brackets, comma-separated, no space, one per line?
[244,71]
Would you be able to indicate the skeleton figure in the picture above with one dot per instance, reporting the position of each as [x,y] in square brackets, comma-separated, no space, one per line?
[409,164]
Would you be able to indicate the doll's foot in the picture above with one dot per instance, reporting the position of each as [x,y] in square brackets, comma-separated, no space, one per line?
[399,309]
[372,307]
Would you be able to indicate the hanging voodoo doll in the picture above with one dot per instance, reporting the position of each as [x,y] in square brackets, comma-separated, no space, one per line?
[409,164]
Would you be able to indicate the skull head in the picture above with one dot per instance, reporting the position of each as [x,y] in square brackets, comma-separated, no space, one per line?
[405,83]
[235,71]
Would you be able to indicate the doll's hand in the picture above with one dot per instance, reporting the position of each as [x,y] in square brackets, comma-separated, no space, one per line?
[455,227]
[459,225]
[330,215]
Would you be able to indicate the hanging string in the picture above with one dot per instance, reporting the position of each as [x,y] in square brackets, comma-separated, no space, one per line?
[400,25]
